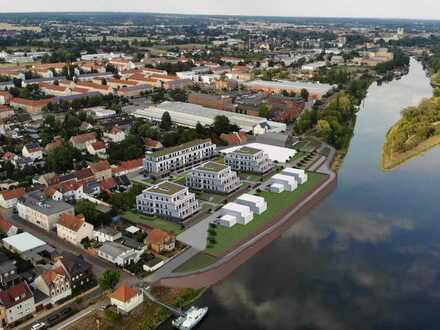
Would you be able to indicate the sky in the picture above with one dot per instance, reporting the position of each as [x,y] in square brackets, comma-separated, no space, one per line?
[422,9]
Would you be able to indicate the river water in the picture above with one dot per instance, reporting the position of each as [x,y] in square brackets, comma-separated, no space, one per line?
[367,258]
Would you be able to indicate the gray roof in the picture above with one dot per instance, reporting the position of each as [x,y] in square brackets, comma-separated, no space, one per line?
[113,249]
[39,202]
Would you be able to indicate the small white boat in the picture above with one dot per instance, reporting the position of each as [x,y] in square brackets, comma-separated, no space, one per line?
[190,319]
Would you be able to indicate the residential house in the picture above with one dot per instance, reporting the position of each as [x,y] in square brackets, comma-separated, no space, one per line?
[32,150]
[74,228]
[80,141]
[106,234]
[16,303]
[234,138]
[128,166]
[9,198]
[8,274]
[55,284]
[7,228]
[126,298]
[36,208]
[101,170]
[116,135]
[168,200]
[98,149]
[78,270]
[160,241]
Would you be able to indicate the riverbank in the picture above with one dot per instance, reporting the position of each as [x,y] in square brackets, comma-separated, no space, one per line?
[147,316]
[391,160]
[416,132]
[224,266]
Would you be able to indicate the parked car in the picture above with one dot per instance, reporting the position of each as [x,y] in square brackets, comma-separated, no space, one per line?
[38,326]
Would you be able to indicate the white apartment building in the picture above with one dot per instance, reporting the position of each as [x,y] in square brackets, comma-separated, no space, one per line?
[168,200]
[213,177]
[248,159]
[74,229]
[41,211]
[168,160]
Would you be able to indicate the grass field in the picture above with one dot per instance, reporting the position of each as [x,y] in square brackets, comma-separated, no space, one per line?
[276,204]
[199,261]
[153,222]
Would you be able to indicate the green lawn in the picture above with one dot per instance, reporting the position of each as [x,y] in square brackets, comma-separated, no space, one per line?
[199,261]
[153,222]
[276,204]
[211,197]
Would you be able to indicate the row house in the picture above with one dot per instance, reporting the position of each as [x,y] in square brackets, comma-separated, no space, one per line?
[128,166]
[55,284]
[248,159]
[168,200]
[165,161]
[213,177]
[78,270]
[101,170]
[7,228]
[16,303]
[30,106]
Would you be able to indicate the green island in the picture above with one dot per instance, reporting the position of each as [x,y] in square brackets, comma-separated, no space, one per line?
[419,128]
[417,132]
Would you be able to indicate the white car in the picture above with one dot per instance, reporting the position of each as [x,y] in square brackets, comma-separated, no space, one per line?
[38,326]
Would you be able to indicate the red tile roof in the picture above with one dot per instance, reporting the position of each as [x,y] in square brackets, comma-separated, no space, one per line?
[14,193]
[31,103]
[83,138]
[5,225]
[108,184]
[98,145]
[100,166]
[128,165]
[124,293]
[71,222]
[15,295]
[158,236]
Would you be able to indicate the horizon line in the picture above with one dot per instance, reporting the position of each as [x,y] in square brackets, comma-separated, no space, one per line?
[208,15]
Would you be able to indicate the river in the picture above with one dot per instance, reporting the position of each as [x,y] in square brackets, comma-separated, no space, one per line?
[367,258]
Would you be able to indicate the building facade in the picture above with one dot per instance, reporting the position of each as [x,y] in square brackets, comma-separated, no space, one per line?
[41,211]
[168,200]
[74,229]
[165,161]
[248,159]
[213,177]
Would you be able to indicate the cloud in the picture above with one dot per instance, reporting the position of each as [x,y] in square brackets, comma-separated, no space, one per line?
[347,226]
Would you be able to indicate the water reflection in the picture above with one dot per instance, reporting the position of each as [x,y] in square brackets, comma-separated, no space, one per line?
[367,258]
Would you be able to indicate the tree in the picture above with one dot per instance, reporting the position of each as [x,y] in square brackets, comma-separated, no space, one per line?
[304,94]
[61,159]
[88,210]
[264,111]
[223,125]
[166,122]
[109,279]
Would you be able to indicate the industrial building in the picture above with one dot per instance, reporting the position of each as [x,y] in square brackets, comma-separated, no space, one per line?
[186,114]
